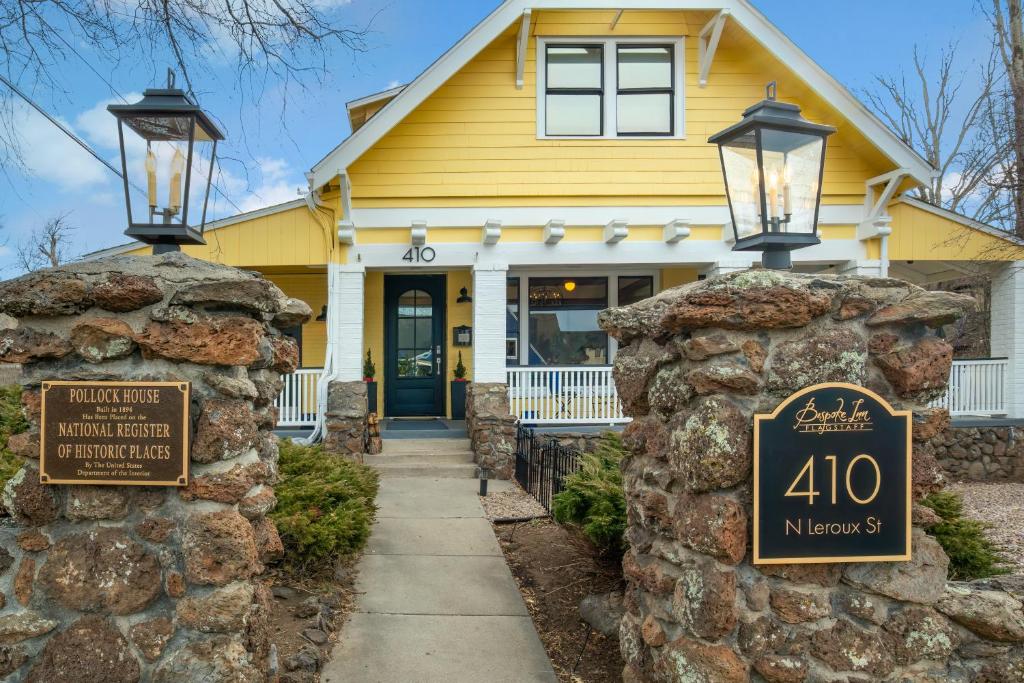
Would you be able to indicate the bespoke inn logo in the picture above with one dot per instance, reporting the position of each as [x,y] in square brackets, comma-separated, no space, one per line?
[843,417]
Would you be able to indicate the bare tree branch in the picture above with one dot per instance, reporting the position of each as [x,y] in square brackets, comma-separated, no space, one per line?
[270,40]
[47,246]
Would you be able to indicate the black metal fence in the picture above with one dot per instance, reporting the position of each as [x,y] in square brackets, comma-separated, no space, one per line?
[542,464]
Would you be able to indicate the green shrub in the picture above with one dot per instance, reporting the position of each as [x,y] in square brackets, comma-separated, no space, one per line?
[971,555]
[324,505]
[12,421]
[593,498]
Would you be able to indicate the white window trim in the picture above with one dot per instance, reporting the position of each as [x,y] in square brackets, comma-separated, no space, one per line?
[613,275]
[610,85]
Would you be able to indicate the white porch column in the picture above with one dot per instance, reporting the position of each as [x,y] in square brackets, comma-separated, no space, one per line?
[348,330]
[489,322]
[725,267]
[864,267]
[1007,330]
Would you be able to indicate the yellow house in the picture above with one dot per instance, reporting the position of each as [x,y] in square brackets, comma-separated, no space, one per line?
[554,162]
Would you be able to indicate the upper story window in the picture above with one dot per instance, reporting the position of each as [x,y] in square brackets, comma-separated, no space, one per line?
[605,88]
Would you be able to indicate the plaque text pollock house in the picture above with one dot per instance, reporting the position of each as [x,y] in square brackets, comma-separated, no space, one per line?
[123,433]
[832,478]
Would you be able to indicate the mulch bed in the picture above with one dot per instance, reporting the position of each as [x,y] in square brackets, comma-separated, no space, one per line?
[556,568]
[306,615]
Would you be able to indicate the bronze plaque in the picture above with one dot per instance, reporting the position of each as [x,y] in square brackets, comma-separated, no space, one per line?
[832,478]
[123,433]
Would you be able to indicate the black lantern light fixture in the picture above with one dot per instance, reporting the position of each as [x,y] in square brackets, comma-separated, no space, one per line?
[773,161]
[179,139]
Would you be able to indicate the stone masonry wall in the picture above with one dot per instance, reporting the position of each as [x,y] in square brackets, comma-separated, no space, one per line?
[491,427]
[981,453]
[345,419]
[125,583]
[696,363]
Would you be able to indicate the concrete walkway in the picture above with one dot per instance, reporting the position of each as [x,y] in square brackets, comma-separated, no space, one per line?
[438,603]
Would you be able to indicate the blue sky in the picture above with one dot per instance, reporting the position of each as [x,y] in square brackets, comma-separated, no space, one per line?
[269,147]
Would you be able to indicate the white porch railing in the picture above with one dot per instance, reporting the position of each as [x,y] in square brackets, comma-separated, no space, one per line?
[296,404]
[564,395]
[976,387]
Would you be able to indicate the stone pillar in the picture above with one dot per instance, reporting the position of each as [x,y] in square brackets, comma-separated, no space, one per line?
[1008,330]
[345,419]
[693,370]
[131,583]
[489,322]
[492,429]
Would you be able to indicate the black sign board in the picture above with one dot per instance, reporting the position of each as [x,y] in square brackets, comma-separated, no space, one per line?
[134,433]
[832,478]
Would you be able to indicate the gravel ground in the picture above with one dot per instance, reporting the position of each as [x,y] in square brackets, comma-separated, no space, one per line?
[1002,507]
[514,502]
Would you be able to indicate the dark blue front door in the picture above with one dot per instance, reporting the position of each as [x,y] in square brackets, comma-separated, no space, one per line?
[414,374]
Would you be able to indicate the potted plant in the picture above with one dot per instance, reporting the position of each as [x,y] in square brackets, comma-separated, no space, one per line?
[369,371]
[459,390]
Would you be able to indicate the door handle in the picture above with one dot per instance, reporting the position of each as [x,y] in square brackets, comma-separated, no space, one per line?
[437,357]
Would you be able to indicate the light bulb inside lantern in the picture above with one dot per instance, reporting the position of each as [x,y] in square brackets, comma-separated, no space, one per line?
[177,166]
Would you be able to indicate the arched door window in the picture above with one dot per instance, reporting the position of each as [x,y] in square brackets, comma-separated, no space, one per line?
[415,334]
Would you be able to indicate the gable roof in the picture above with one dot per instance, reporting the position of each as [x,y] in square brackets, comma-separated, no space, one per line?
[963,220]
[212,225]
[740,11]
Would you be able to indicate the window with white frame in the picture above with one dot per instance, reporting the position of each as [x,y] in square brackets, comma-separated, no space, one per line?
[610,88]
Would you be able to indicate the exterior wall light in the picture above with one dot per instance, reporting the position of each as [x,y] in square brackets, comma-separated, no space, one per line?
[179,139]
[773,161]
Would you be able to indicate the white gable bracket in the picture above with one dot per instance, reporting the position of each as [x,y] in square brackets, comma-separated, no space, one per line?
[616,231]
[707,44]
[418,233]
[876,222]
[524,36]
[676,230]
[492,232]
[554,231]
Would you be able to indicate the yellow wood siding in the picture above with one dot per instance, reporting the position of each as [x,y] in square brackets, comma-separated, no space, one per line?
[373,329]
[673,277]
[311,288]
[288,238]
[919,235]
[474,140]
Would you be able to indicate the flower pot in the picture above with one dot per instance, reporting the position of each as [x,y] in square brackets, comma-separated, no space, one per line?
[371,396]
[459,399]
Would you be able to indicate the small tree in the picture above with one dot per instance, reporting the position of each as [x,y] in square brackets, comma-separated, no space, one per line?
[369,370]
[47,246]
[460,370]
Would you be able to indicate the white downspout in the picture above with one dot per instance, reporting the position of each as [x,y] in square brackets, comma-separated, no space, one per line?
[330,372]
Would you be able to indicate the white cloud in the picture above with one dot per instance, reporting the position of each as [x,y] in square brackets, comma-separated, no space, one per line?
[393,84]
[276,184]
[52,156]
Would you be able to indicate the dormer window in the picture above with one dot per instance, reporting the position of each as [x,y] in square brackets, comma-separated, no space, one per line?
[610,88]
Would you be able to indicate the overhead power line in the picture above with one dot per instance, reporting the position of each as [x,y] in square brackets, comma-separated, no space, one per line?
[85,145]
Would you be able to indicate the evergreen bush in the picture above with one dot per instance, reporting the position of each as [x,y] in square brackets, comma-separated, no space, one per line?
[324,505]
[971,555]
[593,498]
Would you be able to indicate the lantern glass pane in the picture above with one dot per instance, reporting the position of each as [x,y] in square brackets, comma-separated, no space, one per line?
[739,161]
[792,165]
[162,190]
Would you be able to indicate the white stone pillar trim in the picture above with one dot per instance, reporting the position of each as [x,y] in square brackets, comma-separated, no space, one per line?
[1007,330]
[347,347]
[489,281]
[863,267]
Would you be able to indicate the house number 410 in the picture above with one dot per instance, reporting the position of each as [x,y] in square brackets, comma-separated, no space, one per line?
[808,473]
[419,255]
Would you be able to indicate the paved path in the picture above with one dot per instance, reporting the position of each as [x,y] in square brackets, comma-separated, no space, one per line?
[438,603]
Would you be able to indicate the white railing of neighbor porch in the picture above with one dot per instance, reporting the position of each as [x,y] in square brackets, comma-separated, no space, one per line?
[976,387]
[564,395]
[296,404]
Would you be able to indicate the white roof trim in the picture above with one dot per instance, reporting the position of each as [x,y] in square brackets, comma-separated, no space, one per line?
[511,11]
[959,218]
[212,225]
[375,97]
